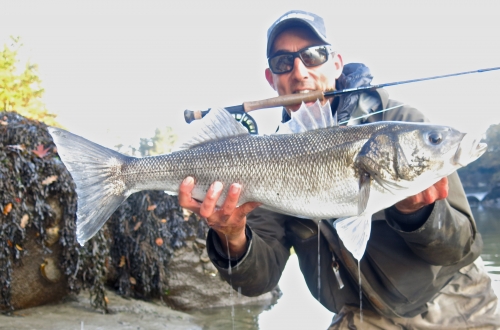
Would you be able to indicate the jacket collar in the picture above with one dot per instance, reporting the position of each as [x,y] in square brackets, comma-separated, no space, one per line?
[353,75]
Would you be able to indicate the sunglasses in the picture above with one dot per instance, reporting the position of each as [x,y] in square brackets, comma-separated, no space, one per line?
[310,56]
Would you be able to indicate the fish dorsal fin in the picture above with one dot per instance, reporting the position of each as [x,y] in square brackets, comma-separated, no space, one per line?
[309,118]
[217,124]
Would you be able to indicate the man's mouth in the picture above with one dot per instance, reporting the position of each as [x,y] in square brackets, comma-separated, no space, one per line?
[303,91]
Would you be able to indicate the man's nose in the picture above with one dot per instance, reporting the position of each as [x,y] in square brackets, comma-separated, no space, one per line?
[299,69]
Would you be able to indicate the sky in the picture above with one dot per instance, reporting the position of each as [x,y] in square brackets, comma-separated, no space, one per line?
[114,71]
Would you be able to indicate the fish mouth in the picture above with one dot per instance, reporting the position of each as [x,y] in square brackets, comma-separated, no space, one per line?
[469,149]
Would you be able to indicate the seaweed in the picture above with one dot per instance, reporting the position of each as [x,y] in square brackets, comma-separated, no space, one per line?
[31,173]
[145,231]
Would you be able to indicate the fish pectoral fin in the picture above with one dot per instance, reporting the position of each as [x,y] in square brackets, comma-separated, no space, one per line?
[390,186]
[309,118]
[217,124]
[354,233]
[364,191]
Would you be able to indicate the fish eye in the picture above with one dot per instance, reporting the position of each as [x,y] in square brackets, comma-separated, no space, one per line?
[435,138]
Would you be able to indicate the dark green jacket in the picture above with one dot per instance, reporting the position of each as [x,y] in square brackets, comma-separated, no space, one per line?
[403,267]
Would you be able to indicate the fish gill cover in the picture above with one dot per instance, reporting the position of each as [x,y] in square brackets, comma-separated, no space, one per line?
[131,253]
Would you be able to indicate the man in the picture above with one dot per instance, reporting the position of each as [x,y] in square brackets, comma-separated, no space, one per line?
[421,267]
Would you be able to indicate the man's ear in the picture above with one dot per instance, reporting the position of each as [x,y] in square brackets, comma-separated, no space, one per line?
[269,78]
[339,65]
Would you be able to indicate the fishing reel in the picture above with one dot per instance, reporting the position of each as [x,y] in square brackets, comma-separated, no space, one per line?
[241,116]
[247,121]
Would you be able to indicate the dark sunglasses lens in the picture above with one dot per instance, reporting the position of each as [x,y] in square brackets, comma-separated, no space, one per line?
[281,63]
[314,56]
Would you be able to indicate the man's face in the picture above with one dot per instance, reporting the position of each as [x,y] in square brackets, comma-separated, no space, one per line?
[303,79]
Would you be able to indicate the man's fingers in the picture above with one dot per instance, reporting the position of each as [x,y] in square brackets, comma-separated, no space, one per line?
[210,202]
[248,207]
[428,196]
[185,199]
[442,188]
[185,189]
[438,191]
[229,214]
[233,195]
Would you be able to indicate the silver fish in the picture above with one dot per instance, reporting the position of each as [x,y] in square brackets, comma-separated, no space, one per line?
[327,172]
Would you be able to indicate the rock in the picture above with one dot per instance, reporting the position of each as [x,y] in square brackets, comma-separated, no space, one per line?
[50,270]
[40,260]
[52,235]
[194,283]
[39,279]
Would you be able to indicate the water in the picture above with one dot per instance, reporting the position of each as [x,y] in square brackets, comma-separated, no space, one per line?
[488,224]
[230,272]
[319,261]
[297,309]
[360,293]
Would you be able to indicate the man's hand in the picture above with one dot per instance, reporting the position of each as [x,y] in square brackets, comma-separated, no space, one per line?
[229,221]
[414,203]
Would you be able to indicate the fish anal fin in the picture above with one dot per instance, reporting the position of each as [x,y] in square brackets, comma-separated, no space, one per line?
[354,233]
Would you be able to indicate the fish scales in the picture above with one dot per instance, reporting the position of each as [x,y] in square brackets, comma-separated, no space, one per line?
[289,173]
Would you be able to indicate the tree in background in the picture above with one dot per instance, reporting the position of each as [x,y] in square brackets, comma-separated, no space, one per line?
[20,90]
[161,143]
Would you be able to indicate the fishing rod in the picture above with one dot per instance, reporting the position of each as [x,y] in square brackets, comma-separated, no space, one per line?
[240,111]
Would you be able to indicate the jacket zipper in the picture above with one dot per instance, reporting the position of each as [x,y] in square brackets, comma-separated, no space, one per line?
[336,266]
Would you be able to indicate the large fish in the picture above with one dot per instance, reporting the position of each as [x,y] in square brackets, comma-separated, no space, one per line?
[318,172]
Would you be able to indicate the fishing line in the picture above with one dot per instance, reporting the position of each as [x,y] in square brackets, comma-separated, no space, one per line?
[372,113]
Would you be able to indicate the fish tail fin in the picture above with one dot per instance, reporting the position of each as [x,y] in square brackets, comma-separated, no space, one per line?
[354,233]
[96,173]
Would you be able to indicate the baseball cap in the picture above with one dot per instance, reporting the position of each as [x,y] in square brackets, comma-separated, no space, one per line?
[296,18]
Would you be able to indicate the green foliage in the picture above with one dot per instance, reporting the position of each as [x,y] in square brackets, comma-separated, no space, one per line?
[161,143]
[20,90]
[486,170]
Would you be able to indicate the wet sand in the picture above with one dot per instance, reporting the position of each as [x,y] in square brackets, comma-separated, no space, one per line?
[75,313]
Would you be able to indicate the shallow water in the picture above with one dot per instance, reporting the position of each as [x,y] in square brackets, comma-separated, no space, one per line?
[297,309]
[488,224]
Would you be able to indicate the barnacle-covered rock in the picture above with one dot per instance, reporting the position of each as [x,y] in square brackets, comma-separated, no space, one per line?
[50,270]
[33,284]
[40,260]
